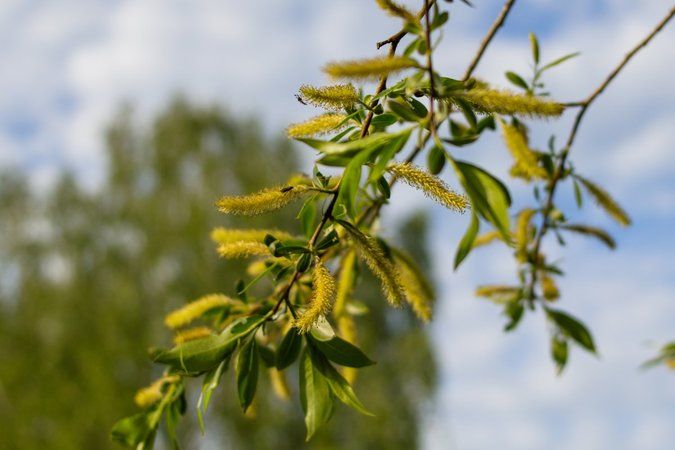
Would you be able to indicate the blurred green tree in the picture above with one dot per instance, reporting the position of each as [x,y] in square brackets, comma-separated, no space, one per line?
[85,278]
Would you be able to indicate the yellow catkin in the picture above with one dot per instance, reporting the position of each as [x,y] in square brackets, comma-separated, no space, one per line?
[260,202]
[322,124]
[523,232]
[670,362]
[487,238]
[526,164]
[222,235]
[323,297]
[192,334]
[506,102]
[606,202]
[279,384]
[418,291]
[431,185]
[394,9]
[338,96]
[371,253]
[149,395]
[243,249]
[496,290]
[347,331]
[345,282]
[549,288]
[194,310]
[368,69]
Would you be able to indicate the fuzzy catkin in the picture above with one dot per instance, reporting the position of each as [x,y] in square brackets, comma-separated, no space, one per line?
[418,292]
[338,96]
[371,253]
[322,124]
[222,235]
[509,103]
[522,233]
[526,164]
[394,9]
[260,202]
[149,395]
[191,334]
[322,300]
[194,310]
[243,249]
[369,69]
[486,238]
[605,201]
[431,185]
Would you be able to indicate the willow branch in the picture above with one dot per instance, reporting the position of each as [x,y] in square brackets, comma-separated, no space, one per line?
[497,24]
[584,105]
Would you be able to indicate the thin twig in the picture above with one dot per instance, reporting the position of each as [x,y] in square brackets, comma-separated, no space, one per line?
[499,21]
[584,105]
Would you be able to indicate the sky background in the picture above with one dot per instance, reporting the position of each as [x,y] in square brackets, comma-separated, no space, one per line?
[68,64]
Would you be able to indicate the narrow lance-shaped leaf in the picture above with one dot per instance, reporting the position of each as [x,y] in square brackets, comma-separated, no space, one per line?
[315,395]
[342,352]
[489,197]
[573,328]
[466,244]
[247,373]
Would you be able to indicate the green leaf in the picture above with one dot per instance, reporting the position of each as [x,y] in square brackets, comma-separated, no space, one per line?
[403,110]
[327,241]
[466,244]
[534,45]
[351,179]
[573,328]
[307,216]
[289,349]
[351,148]
[436,160]
[587,230]
[560,61]
[489,197]
[315,395]
[517,80]
[210,383]
[383,120]
[338,385]
[342,352]
[577,194]
[204,354]
[386,153]
[133,431]
[559,352]
[247,373]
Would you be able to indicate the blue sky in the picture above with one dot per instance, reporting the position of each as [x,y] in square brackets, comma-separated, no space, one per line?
[69,63]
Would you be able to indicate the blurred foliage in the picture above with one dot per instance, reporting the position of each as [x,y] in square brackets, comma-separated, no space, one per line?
[85,278]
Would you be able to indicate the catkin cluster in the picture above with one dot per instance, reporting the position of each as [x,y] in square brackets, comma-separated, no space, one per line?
[323,297]
[526,164]
[606,202]
[371,253]
[370,69]
[509,103]
[322,124]
[397,10]
[338,96]
[261,202]
[418,291]
[194,310]
[431,185]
